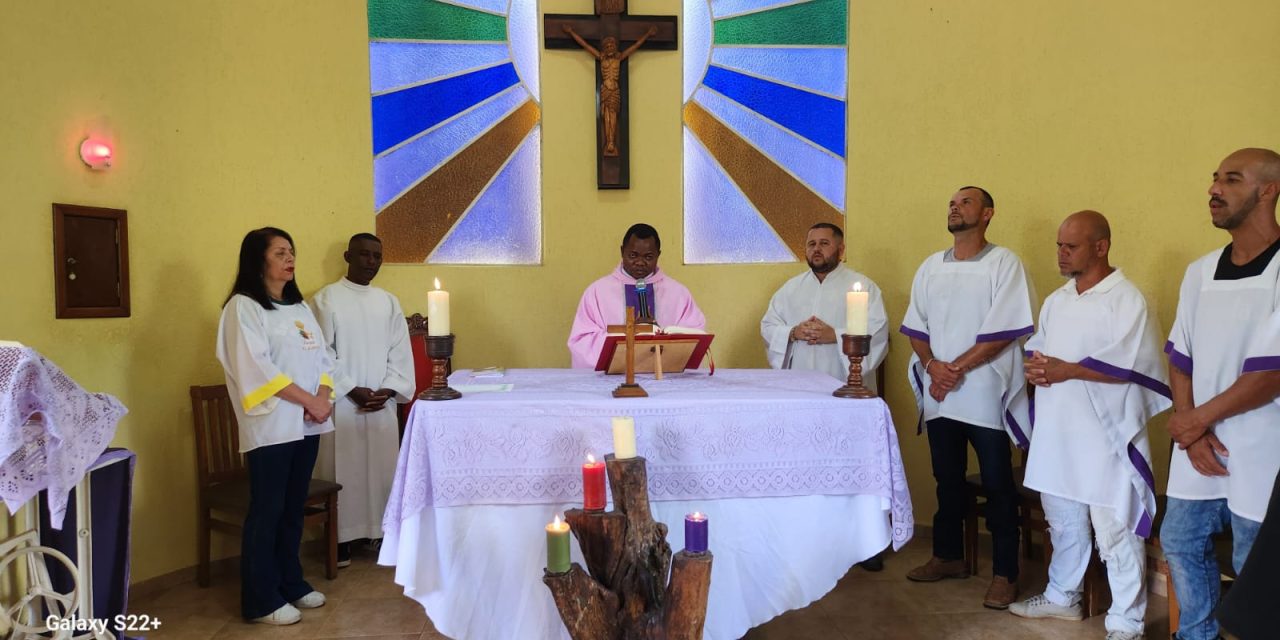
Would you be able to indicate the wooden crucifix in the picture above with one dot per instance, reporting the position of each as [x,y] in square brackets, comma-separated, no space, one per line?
[617,36]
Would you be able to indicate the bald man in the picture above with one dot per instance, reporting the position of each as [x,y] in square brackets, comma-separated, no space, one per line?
[1101,376]
[1225,355]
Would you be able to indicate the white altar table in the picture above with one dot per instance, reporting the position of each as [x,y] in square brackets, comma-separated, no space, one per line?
[798,486]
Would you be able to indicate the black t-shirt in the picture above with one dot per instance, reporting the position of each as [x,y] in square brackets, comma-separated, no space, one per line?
[1228,271]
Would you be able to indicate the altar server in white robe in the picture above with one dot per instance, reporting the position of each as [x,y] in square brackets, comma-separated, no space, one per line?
[805,318]
[369,340]
[970,305]
[1097,361]
[1224,352]
[279,377]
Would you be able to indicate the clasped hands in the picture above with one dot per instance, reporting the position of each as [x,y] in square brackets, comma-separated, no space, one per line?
[318,408]
[944,377]
[1195,435]
[367,399]
[1043,371]
[813,331]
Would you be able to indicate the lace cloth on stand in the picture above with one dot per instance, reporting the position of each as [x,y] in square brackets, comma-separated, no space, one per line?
[51,430]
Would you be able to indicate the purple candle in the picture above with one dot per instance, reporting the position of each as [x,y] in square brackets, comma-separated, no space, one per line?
[695,532]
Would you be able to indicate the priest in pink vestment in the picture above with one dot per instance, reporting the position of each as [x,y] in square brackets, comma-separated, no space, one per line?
[637,282]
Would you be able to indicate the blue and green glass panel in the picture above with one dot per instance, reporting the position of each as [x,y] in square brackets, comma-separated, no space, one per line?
[765,102]
[456,130]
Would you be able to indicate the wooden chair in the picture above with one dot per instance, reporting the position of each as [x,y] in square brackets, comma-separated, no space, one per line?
[421,363]
[224,481]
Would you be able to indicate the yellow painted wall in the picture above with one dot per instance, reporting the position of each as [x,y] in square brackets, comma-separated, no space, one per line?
[236,114]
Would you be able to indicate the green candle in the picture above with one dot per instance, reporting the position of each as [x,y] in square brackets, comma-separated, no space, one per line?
[558,546]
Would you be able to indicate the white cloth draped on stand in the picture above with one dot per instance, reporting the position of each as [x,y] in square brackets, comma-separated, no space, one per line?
[54,452]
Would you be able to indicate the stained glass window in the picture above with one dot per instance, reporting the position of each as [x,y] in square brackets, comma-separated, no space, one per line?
[765,89]
[456,130]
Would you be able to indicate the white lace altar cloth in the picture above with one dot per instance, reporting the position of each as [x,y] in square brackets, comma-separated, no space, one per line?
[743,433]
[51,430]
[799,486]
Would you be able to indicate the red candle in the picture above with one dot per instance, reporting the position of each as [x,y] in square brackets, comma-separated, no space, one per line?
[593,485]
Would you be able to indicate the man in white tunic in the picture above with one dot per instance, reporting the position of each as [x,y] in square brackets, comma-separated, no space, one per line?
[969,306]
[805,317]
[1225,355]
[368,339]
[1096,358]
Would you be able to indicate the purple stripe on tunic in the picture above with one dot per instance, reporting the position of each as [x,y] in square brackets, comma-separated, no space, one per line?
[1261,363]
[1011,334]
[1106,369]
[1031,408]
[1140,463]
[912,333]
[1018,435]
[1178,359]
[1144,525]
[920,387]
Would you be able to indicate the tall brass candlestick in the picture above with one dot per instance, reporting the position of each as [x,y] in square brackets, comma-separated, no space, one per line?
[856,347]
[439,349]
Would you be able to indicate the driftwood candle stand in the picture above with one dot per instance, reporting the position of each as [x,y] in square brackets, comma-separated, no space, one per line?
[627,595]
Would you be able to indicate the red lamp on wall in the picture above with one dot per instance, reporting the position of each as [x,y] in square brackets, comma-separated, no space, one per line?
[96,153]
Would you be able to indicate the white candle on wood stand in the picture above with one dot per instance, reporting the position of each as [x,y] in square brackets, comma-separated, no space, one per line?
[855,311]
[624,438]
[437,311]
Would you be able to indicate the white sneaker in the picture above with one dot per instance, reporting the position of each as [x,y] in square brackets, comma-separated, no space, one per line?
[286,614]
[1039,606]
[312,600]
[1124,635]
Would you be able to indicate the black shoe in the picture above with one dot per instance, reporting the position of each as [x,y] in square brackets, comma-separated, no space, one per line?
[344,554]
[873,564]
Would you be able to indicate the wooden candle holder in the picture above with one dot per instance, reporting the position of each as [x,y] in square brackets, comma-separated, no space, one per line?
[856,347]
[439,349]
[626,595]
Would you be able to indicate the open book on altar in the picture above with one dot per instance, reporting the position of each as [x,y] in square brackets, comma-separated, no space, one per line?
[677,348]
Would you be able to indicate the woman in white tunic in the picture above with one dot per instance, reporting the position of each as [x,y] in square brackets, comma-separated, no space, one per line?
[278,375]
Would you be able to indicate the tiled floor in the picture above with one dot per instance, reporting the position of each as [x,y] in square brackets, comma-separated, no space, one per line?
[365,603]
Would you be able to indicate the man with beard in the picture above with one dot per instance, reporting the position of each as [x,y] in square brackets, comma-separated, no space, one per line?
[1096,358]
[1226,419]
[969,306]
[799,328]
[368,339]
[636,282]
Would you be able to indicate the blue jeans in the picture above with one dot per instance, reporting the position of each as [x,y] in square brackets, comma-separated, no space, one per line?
[1186,538]
[949,442]
[270,572]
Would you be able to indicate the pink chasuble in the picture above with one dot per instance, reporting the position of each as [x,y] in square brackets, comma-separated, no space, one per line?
[604,303]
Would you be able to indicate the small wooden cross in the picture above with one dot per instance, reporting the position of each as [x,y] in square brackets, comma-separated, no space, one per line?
[616,36]
[630,389]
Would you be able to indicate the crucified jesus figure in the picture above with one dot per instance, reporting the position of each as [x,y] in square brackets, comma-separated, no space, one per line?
[610,94]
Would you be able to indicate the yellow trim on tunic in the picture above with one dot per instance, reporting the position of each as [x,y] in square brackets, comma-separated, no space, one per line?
[260,395]
[327,381]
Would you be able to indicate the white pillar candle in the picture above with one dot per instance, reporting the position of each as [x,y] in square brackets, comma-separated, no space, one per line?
[437,311]
[624,437]
[855,311]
